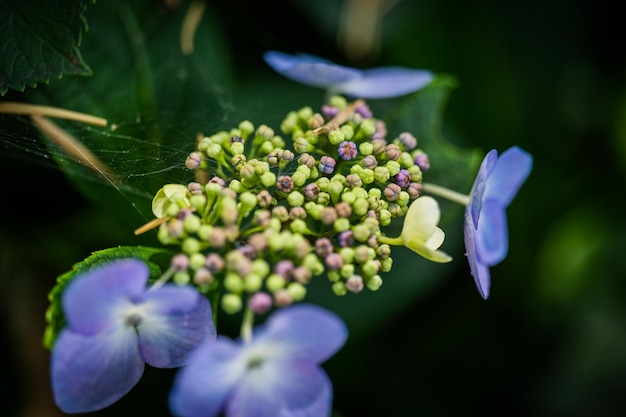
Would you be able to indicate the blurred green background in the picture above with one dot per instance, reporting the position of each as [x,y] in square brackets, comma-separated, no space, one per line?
[550,341]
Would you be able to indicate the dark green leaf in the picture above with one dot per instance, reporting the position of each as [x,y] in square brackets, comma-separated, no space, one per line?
[155,97]
[39,41]
[54,315]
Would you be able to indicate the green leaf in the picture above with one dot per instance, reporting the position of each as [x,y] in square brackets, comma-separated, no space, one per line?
[39,41]
[156,98]
[54,315]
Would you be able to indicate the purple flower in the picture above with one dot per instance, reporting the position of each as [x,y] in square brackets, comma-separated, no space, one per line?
[276,373]
[115,326]
[486,232]
[381,82]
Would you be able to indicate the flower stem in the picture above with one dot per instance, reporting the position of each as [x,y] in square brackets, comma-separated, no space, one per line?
[446,193]
[246,325]
[395,241]
[162,280]
[35,109]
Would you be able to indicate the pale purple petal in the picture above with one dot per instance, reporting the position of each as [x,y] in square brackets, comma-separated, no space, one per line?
[491,237]
[91,301]
[166,340]
[478,189]
[305,332]
[203,388]
[91,373]
[309,69]
[172,299]
[479,272]
[284,389]
[508,175]
[386,82]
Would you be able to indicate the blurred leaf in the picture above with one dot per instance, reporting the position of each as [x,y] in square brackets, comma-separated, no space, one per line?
[54,315]
[39,40]
[155,97]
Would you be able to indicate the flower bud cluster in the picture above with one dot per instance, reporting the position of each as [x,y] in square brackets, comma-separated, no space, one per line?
[262,220]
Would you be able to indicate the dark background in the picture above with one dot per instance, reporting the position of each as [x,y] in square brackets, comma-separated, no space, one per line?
[550,341]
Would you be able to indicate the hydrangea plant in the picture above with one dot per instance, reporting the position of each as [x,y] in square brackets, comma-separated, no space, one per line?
[269,210]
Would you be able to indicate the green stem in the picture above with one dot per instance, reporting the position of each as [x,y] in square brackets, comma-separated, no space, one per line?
[246,325]
[446,193]
[162,280]
[395,241]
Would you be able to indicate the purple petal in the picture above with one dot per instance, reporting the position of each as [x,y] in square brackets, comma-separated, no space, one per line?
[284,389]
[167,339]
[309,69]
[491,237]
[172,299]
[203,388]
[386,82]
[93,299]
[478,189]
[92,372]
[479,271]
[304,331]
[508,175]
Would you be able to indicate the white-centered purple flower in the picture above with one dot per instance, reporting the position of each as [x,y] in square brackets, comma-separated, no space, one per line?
[383,82]
[275,374]
[486,230]
[115,325]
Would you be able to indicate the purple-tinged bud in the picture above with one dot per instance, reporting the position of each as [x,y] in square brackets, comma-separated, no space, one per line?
[284,183]
[421,160]
[248,251]
[347,150]
[354,180]
[280,213]
[175,228]
[354,284]
[315,121]
[364,111]
[260,303]
[323,247]
[414,189]
[282,298]
[302,275]
[219,181]
[307,159]
[393,151]
[328,215]
[214,262]
[179,262]
[311,191]
[195,188]
[264,198]
[381,127]
[403,178]
[284,268]
[395,209]
[372,241]
[392,192]
[217,238]
[193,161]
[407,140]
[329,111]
[343,209]
[297,213]
[262,217]
[286,155]
[236,138]
[334,261]
[202,276]
[369,162]
[301,144]
[379,147]
[258,241]
[346,239]
[327,165]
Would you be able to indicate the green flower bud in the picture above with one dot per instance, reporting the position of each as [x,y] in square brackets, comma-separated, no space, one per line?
[333,276]
[247,201]
[384,217]
[266,148]
[289,123]
[374,282]
[314,210]
[299,226]
[191,246]
[366,148]
[367,128]
[196,261]
[297,291]
[236,148]
[268,179]
[341,225]
[416,173]
[192,223]
[375,192]
[360,206]
[260,267]
[313,264]
[274,282]
[347,131]
[299,179]
[339,288]
[295,199]
[403,199]
[305,113]
[347,254]
[205,231]
[198,201]
[338,101]
[252,283]
[301,145]
[360,192]
[214,151]
[336,137]
[323,183]
[370,268]
[405,160]
[172,210]
[360,232]
[381,174]
[231,303]
[181,278]
[348,197]
[393,167]
[335,188]
[236,186]
[347,271]
[368,176]
[386,264]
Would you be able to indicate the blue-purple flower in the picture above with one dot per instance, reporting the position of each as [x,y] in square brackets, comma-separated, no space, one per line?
[274,374]
[383,82]
[115,325]
[486,231]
